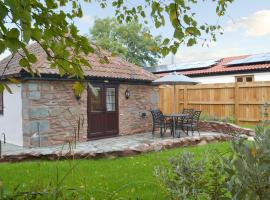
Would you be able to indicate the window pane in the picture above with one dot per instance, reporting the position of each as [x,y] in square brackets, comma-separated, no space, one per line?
[239,79]
[96,100]
[249,79]
[110,99]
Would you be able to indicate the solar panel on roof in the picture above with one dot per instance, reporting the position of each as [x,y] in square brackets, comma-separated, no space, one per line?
[183,66]
[258,58]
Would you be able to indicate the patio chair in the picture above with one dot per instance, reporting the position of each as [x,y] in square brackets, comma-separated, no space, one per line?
[191,124]
[159,121]
[189,112]
[181,120]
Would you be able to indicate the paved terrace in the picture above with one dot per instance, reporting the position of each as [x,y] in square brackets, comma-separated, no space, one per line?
[117,146]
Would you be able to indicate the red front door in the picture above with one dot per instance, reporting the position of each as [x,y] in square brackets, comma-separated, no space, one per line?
[102,108]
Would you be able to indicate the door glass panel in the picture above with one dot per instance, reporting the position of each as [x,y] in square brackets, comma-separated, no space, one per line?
[110,99]
[96,100]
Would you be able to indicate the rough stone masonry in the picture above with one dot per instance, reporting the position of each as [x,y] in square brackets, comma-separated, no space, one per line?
[51,112]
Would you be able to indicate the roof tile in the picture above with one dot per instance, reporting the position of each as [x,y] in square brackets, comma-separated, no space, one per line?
[222,68]
[117,68]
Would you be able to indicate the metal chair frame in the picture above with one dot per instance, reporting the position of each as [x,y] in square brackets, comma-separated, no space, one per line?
[159,121]
[192,123]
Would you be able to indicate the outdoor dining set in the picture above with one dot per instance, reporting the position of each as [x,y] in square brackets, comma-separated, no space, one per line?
[185,121]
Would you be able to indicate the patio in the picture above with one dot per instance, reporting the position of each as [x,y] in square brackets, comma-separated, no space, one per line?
[110,147]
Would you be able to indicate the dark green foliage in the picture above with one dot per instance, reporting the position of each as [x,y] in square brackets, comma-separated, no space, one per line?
[132,41]
[243,174]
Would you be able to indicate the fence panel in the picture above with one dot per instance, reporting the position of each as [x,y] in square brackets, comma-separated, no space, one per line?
[243,101]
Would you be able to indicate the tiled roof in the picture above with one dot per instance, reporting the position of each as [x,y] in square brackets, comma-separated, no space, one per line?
[117,68]
[221,68]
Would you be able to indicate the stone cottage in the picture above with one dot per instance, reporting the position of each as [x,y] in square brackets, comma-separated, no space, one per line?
[44,111]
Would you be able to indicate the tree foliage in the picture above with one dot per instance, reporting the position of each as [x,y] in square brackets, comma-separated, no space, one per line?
[132,41]
[50,23]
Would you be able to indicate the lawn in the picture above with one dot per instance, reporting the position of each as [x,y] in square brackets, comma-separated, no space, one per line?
[126,177]
[248,126]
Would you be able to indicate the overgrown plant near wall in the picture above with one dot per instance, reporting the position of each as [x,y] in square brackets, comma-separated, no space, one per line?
[206,117]
[242,174]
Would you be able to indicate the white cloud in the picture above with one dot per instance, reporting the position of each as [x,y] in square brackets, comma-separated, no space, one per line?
[256,25]
[86,20]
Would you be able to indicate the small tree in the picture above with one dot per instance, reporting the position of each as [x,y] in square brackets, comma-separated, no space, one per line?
[132,40]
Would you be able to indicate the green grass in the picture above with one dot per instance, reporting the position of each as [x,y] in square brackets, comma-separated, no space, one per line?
[252,126]
[248,126]
[130,176]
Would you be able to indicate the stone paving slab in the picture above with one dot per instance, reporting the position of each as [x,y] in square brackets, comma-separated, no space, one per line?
[117,146]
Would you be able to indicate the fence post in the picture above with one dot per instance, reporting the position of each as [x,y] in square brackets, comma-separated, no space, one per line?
[236,103]
[185,97]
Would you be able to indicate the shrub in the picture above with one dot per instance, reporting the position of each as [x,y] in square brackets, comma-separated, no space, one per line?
[243,174]
[187,178]
[248,168]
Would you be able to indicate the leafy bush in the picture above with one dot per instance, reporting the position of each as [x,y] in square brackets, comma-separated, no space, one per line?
[188,178]
[242,174]
[248,168]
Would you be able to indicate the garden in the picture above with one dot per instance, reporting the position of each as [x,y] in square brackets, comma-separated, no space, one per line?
[224,170]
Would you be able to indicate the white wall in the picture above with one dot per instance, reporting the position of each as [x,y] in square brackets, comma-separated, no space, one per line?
[11,120]
[263,76]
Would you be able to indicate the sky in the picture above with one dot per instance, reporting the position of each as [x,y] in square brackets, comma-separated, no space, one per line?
[246,29]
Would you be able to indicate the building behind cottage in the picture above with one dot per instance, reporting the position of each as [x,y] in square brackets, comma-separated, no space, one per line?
[247,68]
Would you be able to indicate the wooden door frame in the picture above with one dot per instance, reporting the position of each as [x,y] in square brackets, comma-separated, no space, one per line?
[104,87]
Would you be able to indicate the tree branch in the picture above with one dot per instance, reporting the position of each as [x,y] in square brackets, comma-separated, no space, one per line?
[5,69]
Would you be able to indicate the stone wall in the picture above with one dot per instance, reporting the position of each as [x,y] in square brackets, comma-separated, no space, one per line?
[226,128]
[142,99]
[50,108]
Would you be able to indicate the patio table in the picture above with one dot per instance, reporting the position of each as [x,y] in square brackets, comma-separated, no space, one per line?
[174,118]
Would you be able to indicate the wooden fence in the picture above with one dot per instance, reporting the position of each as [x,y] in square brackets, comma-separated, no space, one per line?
[243,101]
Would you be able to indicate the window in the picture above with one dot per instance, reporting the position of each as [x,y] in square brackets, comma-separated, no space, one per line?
[110,99]
[1,103]
[244,79]
[96,100]
[239,79]
[249,79]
